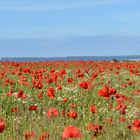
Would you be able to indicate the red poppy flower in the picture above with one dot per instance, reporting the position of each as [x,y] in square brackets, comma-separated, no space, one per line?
[14,109]
[62,72]
[110,106]
[69,80]
[50,92]
[9,93]
[20,93]
[63,112]
[29,134]
[52,112]
[2,125]
[136,125]
[93,76]
[71,132]
[72,114]
[33,107]
[37,84]
[44,135]
[120,97]
[109,121]
[95,128]
[65,99]
[93,109]
[84,84]
[106,91]
[59,87]
[136,91]
[81,75]
[40,95]
[24,96]
[73,105]
[121,108]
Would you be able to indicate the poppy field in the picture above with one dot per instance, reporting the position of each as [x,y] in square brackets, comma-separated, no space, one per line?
[58,100]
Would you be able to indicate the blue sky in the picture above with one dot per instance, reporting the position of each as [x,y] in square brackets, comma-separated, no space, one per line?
[69,27]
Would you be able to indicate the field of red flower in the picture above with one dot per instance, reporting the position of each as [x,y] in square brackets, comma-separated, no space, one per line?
[58,100]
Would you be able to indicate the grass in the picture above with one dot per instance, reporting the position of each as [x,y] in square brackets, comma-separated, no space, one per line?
[17,123]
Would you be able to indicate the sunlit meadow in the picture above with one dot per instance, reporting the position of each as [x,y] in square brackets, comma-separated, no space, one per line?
[58,100]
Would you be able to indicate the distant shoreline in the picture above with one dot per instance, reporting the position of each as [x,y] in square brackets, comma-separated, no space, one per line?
[69,58]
